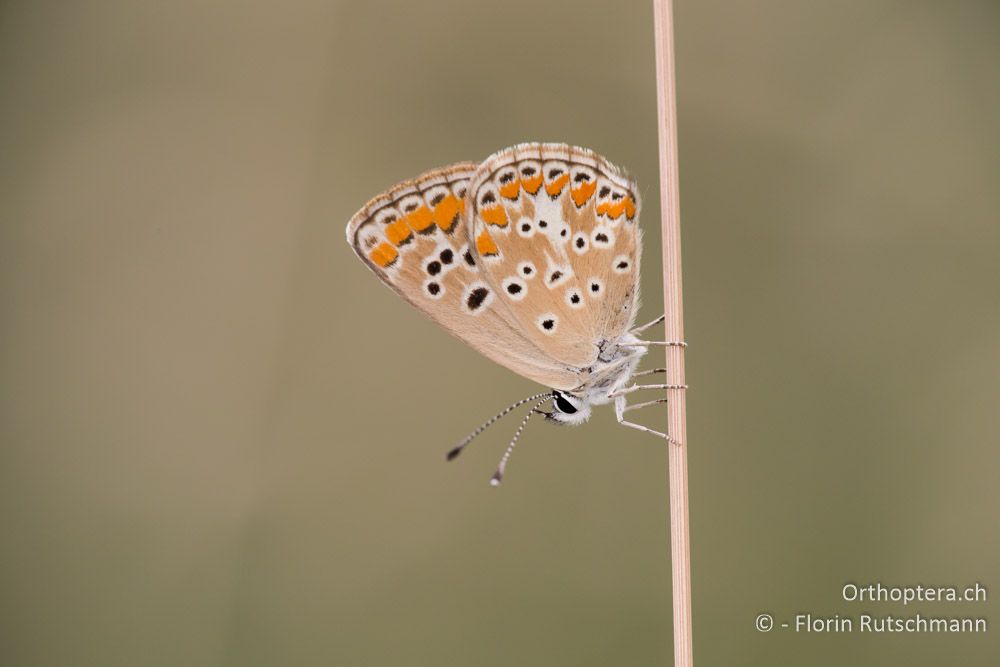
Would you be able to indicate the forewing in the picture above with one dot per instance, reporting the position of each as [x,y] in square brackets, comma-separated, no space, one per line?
[556,232]
[414,237]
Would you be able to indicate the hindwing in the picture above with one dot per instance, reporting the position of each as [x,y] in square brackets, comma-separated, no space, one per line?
[555,230]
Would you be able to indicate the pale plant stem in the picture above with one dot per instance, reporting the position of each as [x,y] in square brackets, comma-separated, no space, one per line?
[680,550]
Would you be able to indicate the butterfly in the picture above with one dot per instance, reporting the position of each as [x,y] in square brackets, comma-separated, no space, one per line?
[532,258]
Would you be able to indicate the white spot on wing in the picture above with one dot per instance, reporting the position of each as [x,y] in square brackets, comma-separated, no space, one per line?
[505,177]
[602,237]
[387,215]
[547,323]
[463,262]
[410,203]
[525,228]
[434,195]
[553,170]
[556,275]
[487,196]
[484,305]
[433,289]
[595,288]
[515,288]
[621,264]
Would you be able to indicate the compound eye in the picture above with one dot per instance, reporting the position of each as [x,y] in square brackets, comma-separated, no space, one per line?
[564,405]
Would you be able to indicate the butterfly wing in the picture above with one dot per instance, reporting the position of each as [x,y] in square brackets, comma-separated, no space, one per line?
[414,237]
[556,234]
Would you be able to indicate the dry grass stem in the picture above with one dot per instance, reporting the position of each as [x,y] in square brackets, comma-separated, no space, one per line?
[674,330]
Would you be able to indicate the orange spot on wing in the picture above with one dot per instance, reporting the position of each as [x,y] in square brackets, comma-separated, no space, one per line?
[510,190]
[398,232]
[615,210]
[531,185]
[384,255]
[446,212]
[556,186]
[629,208]
[602,208]
[495,215]
[583,193]
[420,219]
[485,245]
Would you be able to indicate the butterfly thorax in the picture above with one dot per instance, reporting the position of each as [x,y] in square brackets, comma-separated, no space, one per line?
[615,364]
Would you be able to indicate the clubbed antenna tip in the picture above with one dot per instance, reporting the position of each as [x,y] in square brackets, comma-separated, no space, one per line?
[455,451]
[498,475]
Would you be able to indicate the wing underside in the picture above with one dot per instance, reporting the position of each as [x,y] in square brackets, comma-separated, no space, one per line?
[556,233]
[414,237]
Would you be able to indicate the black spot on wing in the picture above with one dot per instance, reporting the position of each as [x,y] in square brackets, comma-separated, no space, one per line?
[476,298]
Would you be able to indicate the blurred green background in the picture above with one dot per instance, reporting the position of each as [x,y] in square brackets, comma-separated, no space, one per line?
[223,439]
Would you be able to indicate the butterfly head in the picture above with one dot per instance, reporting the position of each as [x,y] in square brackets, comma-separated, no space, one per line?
[568,408]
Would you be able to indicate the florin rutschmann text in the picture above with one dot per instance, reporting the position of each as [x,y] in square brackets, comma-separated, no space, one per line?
[879,623]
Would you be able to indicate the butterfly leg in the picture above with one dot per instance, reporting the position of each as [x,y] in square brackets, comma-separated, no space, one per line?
[651,371]
[639,387]
[647,343]
[621,409]
[648,324]
[637,406]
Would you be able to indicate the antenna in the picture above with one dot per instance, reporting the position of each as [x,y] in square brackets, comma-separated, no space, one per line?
[455,451]
[498,475]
